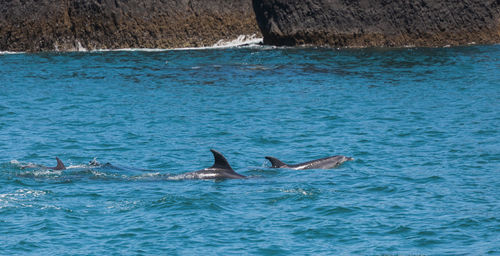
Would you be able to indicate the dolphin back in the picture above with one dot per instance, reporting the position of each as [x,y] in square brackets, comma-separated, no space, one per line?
[275,162]
[60,165]
[220,161]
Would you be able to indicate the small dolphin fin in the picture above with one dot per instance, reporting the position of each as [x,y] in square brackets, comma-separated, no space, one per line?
[220,161]
[276,163]
[60,165]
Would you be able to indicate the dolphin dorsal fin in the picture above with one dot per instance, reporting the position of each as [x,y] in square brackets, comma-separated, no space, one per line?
[276,163]
[60,165]
[220,161]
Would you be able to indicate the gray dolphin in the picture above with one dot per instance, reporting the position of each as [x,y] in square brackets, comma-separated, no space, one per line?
[323,163]
[96,164]
[220,170]
[60,166]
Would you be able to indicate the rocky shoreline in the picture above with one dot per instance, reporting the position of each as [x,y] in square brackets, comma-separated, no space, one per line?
[69,25]
[72,25]
[378,23]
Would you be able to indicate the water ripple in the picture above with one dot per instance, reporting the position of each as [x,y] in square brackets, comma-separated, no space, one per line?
[421,124]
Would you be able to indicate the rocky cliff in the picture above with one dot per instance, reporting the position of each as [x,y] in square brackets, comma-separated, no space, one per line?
[378,23]
[45,25]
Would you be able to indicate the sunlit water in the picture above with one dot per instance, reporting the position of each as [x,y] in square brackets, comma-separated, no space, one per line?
[422,124]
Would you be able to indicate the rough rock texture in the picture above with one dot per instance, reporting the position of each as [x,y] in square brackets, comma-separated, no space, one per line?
[378,23]
[44,25]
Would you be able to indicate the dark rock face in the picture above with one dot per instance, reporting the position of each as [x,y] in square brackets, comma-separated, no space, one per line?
[378,23]
[45,25]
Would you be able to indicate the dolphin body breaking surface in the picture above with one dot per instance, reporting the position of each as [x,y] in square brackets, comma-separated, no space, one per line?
[60,166]
[322,163]
[218,171]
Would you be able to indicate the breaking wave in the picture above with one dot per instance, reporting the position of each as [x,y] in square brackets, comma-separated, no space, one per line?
[240,41]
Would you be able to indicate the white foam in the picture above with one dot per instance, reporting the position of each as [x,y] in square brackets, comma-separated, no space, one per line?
[152,174]
[242,40]
[21,197]
[98,174]
[193,175]
[9,52]
[28,165]
[80,48]
[22,193]
[207,175]
[297,191]
[47,172]
[51,207]
[30,192]
[132,50]
[78,166]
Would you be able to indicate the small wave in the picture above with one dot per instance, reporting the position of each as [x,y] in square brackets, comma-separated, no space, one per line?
[20,165]
[20,196]
[299,191]
[382,188]
[401,229]
[41,173]
[9,52]
[428,242]
[268,141]
[80,48]
[79,166]
[294,194]
[327,211]
[192,176]
[15,162]
[132,50]
[152,174]
[259,67]
[240,41]
[124,206]
[464,223]
[24,192]
[430,179]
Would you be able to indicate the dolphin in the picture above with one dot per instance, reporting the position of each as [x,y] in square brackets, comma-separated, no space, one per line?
[95,163]
[323,163]
[220,170]
[60,165]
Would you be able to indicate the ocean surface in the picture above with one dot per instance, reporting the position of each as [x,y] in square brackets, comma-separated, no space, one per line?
[422,125]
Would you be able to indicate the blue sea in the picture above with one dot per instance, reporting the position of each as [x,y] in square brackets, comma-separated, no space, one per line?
[421,123]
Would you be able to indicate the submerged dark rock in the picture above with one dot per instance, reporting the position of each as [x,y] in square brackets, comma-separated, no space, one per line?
[46,25]
[378,23]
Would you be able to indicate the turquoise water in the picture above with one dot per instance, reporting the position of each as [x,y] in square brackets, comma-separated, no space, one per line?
[422,125]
